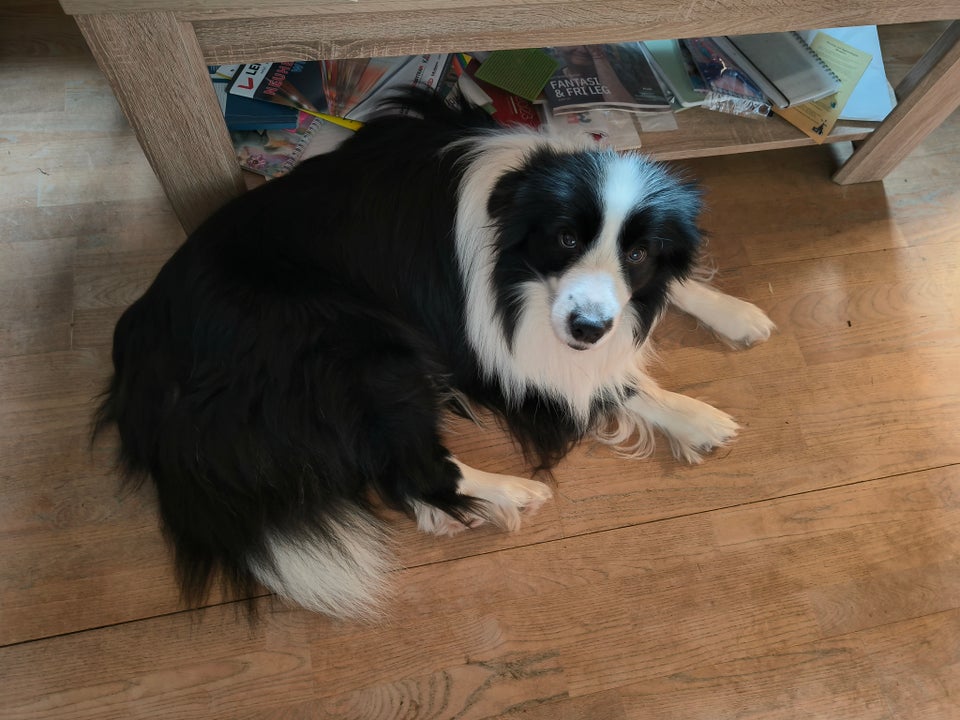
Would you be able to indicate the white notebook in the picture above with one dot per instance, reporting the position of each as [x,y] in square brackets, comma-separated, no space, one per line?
[782,65]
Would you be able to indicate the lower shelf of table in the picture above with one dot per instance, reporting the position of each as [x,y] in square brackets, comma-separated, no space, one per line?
[704,133]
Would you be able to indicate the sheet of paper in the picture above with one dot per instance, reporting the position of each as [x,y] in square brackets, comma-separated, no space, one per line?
[817,119]
[873,98]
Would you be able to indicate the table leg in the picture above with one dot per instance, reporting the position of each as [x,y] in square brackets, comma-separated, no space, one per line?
[927,95]
[157,72]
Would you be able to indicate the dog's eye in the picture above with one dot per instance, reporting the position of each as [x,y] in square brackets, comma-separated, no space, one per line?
[635,256]
[568,239]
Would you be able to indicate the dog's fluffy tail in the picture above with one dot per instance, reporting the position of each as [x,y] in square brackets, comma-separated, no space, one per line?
[342,571]
[247,504]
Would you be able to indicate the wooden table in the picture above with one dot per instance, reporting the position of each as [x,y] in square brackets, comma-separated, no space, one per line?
[154,53]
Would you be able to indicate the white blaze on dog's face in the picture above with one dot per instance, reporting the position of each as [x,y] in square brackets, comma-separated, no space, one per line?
[591,293]
[587,304]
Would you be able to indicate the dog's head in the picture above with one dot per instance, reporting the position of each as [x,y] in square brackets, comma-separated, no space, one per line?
[596,235]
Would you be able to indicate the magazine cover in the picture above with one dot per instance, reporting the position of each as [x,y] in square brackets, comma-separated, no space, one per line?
[347,82]
[241,113]
[296,84]
[273,153]
[425,71]
[730,89]
[613,77]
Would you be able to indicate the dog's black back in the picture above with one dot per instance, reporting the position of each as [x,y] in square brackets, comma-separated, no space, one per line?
[279,366]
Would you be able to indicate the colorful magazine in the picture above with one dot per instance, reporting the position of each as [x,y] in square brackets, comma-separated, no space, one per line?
[730,88]
[610,77]
[345,91]
[423,71]
[295,84]
[241,113]
[347,82]
[273,153]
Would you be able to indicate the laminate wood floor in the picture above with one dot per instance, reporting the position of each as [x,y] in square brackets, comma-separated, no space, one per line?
[810,570]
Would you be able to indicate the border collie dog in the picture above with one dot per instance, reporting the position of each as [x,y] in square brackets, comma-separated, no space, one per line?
[289,368]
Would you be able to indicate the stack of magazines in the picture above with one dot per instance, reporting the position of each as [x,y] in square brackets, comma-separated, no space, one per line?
[811,79]
[293,110]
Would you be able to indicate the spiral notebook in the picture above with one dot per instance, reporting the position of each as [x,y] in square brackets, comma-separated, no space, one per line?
[782,65]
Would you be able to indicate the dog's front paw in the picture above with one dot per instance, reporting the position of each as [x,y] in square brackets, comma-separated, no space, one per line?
[507,499]
[740,323]
[435,521]
[699,429]
[503,501]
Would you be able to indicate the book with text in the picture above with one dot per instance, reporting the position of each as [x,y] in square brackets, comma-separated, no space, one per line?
[242,113]
[785,68]
[295,84]
[817,118]
[612,77]
[347,82]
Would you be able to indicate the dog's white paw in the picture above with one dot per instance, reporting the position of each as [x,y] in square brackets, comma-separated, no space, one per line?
[435,521]
[697,429]
[736,321]
[740,323]
[504,501]
[506,498]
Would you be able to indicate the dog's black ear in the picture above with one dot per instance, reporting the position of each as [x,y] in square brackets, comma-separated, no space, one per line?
[510,208]
[677,214]
[506,195]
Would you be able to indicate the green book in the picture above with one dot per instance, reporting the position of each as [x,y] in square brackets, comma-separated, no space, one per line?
[668,58]
[521,72]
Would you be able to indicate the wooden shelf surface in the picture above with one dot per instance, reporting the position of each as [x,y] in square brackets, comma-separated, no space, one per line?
[703,133]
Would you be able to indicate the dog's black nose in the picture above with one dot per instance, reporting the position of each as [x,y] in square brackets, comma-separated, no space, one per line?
[588,329]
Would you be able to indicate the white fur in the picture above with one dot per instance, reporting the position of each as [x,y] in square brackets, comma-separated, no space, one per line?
[737,321]
[596,295]
[505,498]
[343,575]
[626,180]
[543,361]
[692,427]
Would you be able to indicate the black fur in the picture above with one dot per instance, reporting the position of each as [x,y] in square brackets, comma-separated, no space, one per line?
[296,353]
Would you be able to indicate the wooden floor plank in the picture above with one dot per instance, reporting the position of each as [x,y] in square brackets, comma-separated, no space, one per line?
[751,591]
[929,647]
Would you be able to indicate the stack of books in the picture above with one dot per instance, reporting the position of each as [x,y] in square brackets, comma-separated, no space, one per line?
[808,79]
[281,113]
